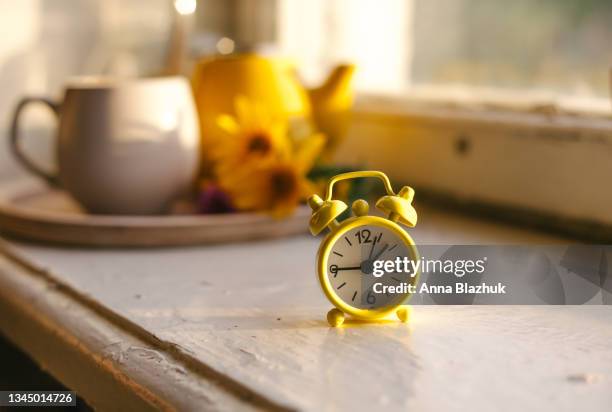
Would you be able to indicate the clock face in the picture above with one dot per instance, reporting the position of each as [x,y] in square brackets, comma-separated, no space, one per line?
[350,266]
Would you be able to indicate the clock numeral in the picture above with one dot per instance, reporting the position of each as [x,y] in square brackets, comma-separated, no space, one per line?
[364,236]
[371,298]
[333,269]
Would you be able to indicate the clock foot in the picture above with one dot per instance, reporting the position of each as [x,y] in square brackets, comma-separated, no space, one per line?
[403,313]
[335,317]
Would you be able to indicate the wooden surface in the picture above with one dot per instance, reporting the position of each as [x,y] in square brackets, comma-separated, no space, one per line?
[242,326]
[31,210]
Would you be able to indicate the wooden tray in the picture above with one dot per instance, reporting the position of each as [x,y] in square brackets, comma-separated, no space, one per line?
[31,210]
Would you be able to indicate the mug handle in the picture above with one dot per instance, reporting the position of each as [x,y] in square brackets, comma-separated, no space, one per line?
[51,179]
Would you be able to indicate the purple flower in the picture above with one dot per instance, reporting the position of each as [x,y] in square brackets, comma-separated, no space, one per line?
[212,200]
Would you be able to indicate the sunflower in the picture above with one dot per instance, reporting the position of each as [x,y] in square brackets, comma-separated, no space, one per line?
[275,185]
[253,135]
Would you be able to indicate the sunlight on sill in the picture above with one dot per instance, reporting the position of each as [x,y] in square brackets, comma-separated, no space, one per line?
[488,100]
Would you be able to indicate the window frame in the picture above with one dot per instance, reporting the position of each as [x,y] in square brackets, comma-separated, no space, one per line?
[542,159]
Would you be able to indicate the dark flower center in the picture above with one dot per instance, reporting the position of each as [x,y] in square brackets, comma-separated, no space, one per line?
[284,183]
[259,143]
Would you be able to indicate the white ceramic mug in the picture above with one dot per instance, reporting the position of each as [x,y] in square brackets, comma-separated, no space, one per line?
[123,146]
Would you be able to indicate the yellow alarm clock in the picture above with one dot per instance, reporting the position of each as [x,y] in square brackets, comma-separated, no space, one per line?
[347,255]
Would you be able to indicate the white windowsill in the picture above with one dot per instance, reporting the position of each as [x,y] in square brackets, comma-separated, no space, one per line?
[537,161]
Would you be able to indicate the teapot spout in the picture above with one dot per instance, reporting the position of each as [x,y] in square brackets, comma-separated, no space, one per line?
[331,106]
[336,90]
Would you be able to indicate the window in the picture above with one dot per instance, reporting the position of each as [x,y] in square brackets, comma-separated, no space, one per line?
[551,50]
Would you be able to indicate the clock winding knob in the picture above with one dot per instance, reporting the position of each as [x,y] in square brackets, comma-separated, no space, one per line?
[360,207]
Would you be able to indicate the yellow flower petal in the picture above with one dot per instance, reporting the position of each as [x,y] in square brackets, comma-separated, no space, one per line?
[228,123]
[244,112]
[258,165]
[260,115]
[308,151]
[307,188]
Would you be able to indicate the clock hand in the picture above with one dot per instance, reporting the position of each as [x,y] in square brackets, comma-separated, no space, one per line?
[367,266]
[381,252]
[334,269]
[372,249]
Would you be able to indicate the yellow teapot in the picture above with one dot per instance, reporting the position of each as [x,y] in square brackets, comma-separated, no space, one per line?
[273,83]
